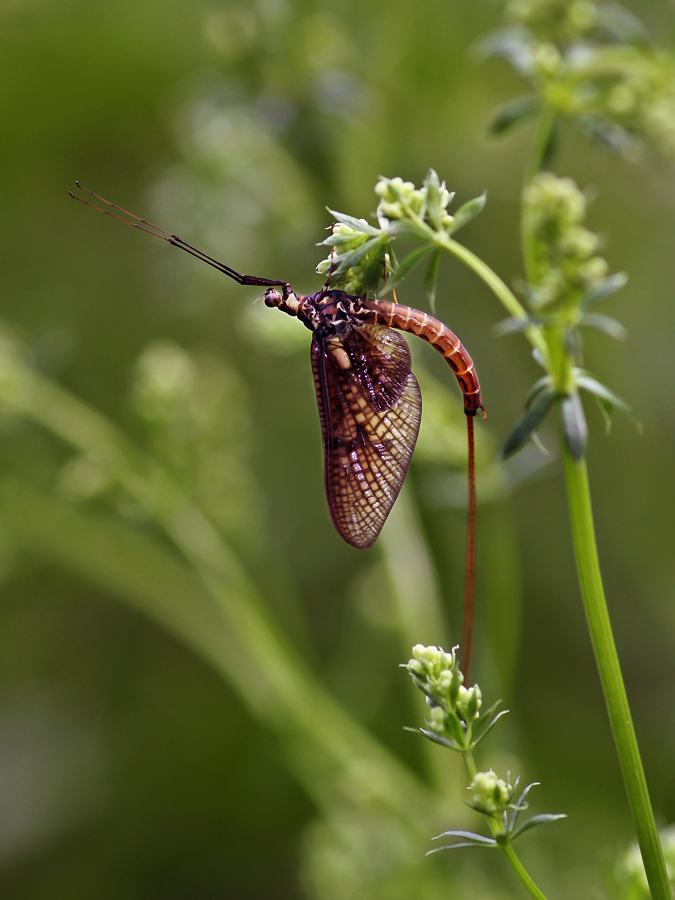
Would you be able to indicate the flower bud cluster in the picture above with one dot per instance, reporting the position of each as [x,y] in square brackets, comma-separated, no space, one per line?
[567,261]
[361,254]
[554,20]
[589,62]
[454,707]
[490,795]
[635,91]
[372,266]
[400,199]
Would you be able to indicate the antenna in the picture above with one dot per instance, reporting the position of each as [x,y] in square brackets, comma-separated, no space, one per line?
[156,231]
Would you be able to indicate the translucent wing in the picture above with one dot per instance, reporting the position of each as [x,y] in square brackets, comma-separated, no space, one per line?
[370,408]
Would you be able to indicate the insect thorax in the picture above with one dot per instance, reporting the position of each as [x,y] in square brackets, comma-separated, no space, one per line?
[334,312]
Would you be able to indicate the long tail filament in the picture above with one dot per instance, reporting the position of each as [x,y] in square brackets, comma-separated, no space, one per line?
[470,572]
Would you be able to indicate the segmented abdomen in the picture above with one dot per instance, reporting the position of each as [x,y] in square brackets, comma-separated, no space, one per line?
[405,318]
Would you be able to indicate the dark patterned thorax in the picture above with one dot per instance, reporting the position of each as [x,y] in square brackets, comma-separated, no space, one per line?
[333,312]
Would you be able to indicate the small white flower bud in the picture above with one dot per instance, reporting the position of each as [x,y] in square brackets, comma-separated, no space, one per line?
[547,58]
[437,720]
[445,680]
[469,702]
[579,242]
[489,794]
[593,271]
[582,15]
[390,210]
[621,99]
[382,188]
[431,654]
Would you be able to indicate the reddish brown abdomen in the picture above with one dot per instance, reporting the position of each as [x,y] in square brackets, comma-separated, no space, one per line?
[405,318]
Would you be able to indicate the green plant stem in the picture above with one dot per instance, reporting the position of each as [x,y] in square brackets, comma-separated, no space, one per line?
[540,146]
[503,293]
[596,612]
[597,616]
[520,870]
[541,143]
[507,849]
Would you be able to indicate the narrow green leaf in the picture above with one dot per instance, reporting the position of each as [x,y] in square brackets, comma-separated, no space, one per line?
[455,729]
[537,388]
[511,326]
[457,846]
[607,410]
[353,257]
[611,136]
[574,425]
[336,240]
[394,191]
[608,286]
[467,212]
[407,229]
[513,113]
[609,326]
[520,804]
[624,27]
[437,739]
[430,277]
[354,223]
[512,44]
[550,147]
[406,265]
[487,713]
[482,732]
[537,442]
[467,835]
[601,392]
[433,202]
[432,182]
[421,685]
[529,421]
[537,820]
[538,357]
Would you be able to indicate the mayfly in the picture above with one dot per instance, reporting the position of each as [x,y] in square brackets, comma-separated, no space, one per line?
[369,401]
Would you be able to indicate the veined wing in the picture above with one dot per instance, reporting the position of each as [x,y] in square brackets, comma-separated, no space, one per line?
[370,408]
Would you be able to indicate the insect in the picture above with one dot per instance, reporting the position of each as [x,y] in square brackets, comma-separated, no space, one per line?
[369,401]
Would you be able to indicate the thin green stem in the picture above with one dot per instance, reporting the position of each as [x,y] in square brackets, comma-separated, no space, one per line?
[521,872]
[598,620]
[590,580]
[503,293]
[540,148]
[507,849]
[470,763]
[597,616]
[542,142]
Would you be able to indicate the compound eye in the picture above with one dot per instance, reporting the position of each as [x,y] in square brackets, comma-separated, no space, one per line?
[272,298]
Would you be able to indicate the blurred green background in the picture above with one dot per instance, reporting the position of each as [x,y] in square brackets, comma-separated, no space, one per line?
[171,745]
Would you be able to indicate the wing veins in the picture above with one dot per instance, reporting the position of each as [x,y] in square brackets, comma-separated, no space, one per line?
[364,470]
